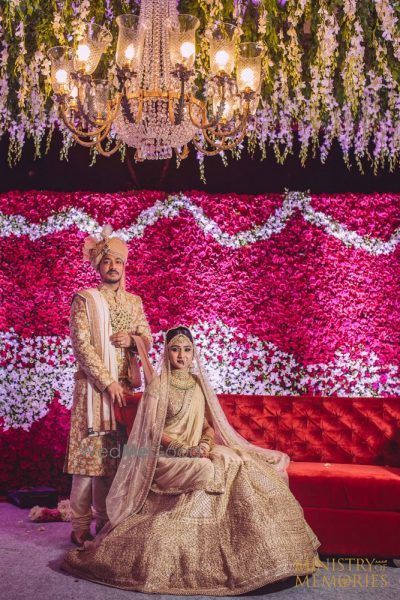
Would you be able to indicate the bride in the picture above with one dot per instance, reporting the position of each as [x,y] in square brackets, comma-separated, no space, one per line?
[194,508]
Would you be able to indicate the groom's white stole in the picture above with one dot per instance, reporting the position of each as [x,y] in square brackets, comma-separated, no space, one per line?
[100,411]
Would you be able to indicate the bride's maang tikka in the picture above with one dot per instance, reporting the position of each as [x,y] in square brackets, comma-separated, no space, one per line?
[182,335]
[180,338]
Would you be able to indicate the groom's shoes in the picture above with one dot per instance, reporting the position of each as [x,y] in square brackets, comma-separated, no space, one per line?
[80,537]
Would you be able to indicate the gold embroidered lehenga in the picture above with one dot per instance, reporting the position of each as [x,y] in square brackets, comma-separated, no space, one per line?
[217,526]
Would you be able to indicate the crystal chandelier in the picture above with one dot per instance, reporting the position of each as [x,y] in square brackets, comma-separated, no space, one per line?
[156,106]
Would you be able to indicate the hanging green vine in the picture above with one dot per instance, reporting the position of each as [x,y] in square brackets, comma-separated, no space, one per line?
[331,71]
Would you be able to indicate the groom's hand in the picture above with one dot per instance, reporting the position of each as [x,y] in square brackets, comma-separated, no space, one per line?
[121,340]
[140,333]
[115,392]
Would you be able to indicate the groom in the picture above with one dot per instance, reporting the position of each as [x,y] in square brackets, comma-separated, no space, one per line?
[103,322]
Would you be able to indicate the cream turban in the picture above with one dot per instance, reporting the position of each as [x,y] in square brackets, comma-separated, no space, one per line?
[96,247]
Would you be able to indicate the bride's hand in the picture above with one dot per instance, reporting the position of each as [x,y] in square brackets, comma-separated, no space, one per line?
[204,449]
[193,452]
[201,451]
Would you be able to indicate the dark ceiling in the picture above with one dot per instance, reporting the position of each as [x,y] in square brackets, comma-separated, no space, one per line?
[248,175]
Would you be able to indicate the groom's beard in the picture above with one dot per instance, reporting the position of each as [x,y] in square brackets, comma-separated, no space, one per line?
[112,277]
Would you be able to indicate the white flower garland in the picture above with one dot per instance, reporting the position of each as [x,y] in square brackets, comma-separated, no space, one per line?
[33,369]
[293,203]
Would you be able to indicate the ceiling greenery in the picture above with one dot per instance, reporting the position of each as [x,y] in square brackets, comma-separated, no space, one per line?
[330,73]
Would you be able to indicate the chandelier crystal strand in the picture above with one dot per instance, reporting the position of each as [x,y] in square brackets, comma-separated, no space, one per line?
[155,136]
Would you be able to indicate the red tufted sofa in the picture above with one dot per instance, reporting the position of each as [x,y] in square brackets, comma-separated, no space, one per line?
[345,468]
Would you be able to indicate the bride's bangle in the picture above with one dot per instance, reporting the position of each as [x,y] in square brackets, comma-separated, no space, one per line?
[205,439]
[176,449]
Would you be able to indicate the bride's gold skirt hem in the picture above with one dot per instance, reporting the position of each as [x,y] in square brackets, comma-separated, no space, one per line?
[255,583]
[206,544]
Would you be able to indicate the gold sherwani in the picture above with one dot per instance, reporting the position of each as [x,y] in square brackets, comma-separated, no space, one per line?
[98,456]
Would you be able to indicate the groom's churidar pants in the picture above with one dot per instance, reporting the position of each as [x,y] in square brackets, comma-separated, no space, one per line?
[88,492]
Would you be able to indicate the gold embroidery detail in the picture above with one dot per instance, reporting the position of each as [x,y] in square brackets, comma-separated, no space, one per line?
[178,403]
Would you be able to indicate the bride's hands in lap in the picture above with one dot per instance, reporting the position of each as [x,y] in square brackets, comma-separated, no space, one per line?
[195,452]
[204,450]
[179,450]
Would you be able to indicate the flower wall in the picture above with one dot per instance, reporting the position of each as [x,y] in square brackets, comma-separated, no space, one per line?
[291,294]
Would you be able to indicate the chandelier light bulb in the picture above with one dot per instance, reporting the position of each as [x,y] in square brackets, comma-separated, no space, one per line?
[222,58]
[187,49]
[228,111]
[83,52]
[130,52]
[247,77]
[74,92]
[61,76]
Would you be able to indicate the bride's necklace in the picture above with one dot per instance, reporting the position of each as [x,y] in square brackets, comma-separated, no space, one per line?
[182,380]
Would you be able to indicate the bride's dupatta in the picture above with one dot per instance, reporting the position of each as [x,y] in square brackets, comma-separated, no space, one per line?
[134,477]
[226,435]
[135,473]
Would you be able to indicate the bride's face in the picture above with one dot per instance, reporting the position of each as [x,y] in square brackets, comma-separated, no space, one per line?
[180,354]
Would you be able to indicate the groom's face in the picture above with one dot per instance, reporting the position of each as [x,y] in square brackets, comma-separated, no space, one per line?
[111,269]
[180,355]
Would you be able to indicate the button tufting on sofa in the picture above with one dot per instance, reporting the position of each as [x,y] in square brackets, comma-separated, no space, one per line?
[345,464]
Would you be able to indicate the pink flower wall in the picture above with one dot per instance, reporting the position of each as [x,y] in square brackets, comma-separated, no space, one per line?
[286,294]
